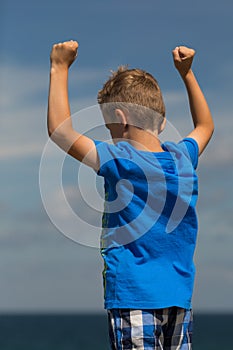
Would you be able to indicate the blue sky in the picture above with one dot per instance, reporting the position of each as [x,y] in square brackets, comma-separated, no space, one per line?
[40,269]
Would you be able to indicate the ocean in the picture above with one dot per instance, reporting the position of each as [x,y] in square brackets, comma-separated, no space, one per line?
[89,332]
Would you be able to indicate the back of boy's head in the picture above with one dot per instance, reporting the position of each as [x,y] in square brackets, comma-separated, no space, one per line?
[137,92]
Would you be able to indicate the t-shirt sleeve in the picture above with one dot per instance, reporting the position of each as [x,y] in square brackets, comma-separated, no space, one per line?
[190,147]
[106,154]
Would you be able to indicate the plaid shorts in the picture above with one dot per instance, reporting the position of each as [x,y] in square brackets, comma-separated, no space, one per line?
[160,329]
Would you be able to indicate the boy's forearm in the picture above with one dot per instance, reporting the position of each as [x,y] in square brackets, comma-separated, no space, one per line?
[58,101]
[199,108]
[61,58]
[201,115]
[59,121]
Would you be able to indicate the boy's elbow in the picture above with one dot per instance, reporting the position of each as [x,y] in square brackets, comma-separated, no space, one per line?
[211,128]
[50,128]
[58,132]
[54,133]
[50,132]
[57,136]
[207,127]
[63,137]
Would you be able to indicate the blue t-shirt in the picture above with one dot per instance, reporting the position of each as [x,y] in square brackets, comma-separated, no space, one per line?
[149,224]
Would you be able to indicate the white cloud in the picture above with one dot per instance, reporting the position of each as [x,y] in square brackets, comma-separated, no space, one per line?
[218,152]
[173,98]
[20,83]
[23,101]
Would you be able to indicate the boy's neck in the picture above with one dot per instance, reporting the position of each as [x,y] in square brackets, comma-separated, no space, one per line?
[144,140]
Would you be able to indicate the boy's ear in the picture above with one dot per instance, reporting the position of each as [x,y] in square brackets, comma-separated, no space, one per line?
[121,116]
[162,126]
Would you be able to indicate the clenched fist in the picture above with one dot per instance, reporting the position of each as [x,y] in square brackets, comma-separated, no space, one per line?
[183,58]
[64,54]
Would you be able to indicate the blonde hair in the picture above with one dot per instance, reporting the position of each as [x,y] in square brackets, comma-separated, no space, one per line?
[138,92]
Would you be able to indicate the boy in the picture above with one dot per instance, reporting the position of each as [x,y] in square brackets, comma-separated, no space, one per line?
[149,221]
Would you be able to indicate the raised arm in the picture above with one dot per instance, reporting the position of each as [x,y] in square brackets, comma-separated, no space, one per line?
[58,120]
[201,115]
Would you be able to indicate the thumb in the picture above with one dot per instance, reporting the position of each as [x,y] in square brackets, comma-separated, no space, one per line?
[176,55]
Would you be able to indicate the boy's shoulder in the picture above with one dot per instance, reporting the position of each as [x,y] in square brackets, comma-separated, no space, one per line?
[186,147]
[111,156]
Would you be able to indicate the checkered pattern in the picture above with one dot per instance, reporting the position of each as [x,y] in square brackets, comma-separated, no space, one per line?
[161,329]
